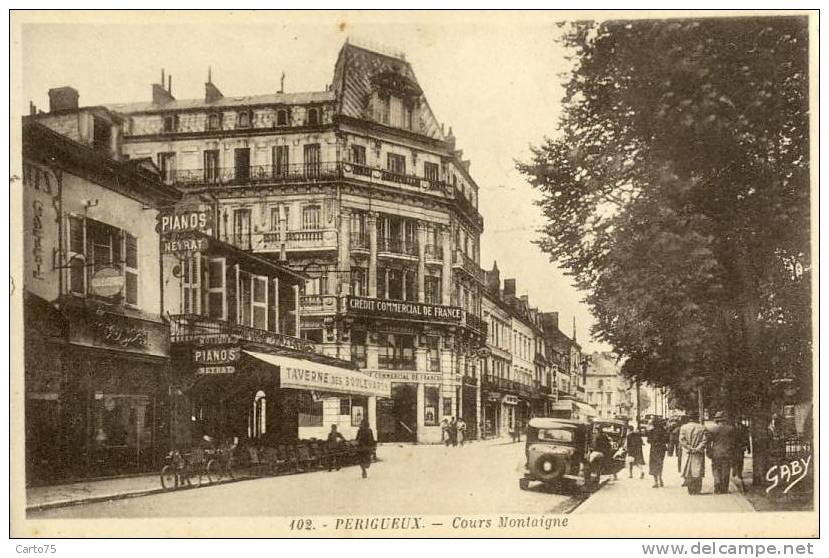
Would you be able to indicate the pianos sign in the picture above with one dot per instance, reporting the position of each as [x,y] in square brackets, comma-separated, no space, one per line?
[184,221]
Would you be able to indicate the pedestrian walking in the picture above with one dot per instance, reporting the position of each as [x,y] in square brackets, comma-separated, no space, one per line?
[444,431]
[461,431]
[674,437]
[742,445]
[635,458]
[658,442]
[453,431]
[335,441]
[722,441]
[693,438]
[365,446]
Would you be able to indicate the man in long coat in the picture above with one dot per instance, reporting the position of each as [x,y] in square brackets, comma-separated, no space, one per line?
[692,439]
[722,439]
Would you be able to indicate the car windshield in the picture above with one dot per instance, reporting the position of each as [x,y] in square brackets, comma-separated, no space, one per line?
[546,434]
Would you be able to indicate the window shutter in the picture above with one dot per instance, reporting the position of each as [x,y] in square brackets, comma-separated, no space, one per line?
[131,269]
[76,257]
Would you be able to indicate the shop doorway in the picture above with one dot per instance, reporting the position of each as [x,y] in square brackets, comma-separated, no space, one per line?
[397,417]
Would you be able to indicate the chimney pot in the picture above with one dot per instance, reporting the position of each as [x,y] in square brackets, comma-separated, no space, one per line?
[509,287]
[63,98]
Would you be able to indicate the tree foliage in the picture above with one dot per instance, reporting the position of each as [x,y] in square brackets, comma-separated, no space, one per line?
[677,195]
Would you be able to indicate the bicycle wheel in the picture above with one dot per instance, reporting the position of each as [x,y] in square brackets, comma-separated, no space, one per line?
[168,477]
[213,471]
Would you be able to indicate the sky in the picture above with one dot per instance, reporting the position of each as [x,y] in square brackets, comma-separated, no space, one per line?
[494,78]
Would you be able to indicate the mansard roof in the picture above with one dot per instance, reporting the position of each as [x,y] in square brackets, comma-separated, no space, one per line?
[226,102]
[359,72]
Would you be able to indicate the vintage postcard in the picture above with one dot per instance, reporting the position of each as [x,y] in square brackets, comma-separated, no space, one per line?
[414,274]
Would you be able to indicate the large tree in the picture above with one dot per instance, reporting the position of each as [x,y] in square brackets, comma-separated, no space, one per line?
[677,195]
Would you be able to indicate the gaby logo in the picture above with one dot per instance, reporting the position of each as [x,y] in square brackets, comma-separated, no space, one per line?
[788,474]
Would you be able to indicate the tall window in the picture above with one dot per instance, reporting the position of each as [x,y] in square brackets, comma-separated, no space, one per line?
[383,109]
[282,117]
[216,295]
[433,344]
[359,281]
[191,285]
[167,166]
[358,234]
[430,171]
[241,228]
[242,163]
[358,348]
[396,163]
[396,351]
[432,287]
[259,426]
[311,217]
[280,160]
[211,165]
[313,117]
[170,123]
[253,295]
[358,154]
[311,153]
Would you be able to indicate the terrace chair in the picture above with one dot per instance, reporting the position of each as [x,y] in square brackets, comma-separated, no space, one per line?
[318,453]
[273,461]
[291,453]
[304,455]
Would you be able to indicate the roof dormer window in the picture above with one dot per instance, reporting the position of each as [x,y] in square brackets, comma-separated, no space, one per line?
[282,117]
[243,119]
[171,123]
[214,122]
[313,117]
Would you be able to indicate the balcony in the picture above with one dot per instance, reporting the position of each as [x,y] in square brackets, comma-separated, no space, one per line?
[187,179]
[465,207]
[474,322]
[189,328]
[317,304]
[433,252]
[396,246]
[308,240]
[390,178]
[359,243]
[467,265]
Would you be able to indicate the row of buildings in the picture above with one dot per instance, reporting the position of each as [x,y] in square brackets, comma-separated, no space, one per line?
[265,267]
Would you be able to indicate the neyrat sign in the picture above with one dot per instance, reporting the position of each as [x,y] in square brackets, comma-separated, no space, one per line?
[377,308]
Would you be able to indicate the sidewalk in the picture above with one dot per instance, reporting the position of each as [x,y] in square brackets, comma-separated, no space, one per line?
[637,495]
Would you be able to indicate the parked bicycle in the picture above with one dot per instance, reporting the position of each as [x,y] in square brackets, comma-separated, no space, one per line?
[204,466]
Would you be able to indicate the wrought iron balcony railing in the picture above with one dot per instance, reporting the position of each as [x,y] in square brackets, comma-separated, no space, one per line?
[310,239]
[397,246]
[186,328]
[230,176]
[461,261]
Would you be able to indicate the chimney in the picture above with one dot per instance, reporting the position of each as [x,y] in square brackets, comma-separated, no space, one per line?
[574,328]
[63,98]
[162,96]
[549,320]
[525,299]
[509,287]
[211,92]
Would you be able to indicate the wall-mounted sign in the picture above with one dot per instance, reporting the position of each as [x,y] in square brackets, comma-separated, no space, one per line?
[107,282]
[178,243]
[406,376]
[373,307]
[217,355]
[213,370]
[184,221]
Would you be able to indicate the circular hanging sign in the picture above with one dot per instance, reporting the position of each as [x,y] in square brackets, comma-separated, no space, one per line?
[107,282]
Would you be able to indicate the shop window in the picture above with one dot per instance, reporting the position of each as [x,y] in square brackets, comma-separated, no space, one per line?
[358,154]
[431,402]
[280,160]
[311,217]
[358,348]
[433,344]
[358,410]
[396,351]
[282,117]
[309,410]
[396,163]
[447,407]
[345,406]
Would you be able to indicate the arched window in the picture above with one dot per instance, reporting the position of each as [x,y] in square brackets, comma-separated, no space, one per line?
[259,416]
[313,117]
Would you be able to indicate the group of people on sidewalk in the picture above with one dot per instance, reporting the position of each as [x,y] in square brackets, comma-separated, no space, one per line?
[453,431]
[366,445]
[724,443]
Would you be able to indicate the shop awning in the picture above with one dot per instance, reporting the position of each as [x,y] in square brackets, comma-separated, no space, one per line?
[297,373]
[570,405]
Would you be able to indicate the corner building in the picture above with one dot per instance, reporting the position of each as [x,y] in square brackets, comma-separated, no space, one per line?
[362,190]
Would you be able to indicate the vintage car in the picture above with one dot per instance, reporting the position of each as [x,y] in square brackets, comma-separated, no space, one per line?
[556,449]
[615,429]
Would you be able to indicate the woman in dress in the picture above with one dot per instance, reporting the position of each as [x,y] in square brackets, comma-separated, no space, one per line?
[365,446]
[658,442]
[633,445]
